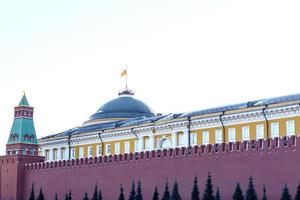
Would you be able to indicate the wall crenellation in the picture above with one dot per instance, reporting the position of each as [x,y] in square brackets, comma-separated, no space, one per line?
[203,151]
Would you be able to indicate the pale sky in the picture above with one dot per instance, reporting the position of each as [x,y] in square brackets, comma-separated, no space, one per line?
[182,55]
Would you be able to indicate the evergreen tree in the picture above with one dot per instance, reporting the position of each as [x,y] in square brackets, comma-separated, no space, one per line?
[166,195]
[264,194]
[32,196]
[208,193]
[285,194]
[85,196]
[175,192]
[155,194]
[297,197]
[238,194]
[67,197]
[217,197]
[195,192]
[56,198]
[96,195]
[121,197]
[100,194]
[251,193]
[70,195]
[139,195]
[41,195]
[132,192]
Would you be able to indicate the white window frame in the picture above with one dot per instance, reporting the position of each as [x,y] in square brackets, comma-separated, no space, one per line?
[99,150]
[260,131]
[218,136]
[72,153]
[90,151]
[290,127]
[47,156]
[117,148]
[146,143]
[246,133]
[205,137]
[63,153]
[127,147]
[231,135]
[81,152]
[180,139]
[136,145]
[274,130]
[107,149]
[55,154]
[193,139]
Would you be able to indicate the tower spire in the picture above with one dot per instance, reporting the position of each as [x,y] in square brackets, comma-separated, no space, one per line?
[22,138]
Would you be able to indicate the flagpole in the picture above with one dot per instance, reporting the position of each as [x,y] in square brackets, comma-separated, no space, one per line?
[126,87]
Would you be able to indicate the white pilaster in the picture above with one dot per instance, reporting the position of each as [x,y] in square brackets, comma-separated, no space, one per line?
[186,137]
[174,139]
[51,154]
[151,142]
[67,153]
[59,156]
[140,144]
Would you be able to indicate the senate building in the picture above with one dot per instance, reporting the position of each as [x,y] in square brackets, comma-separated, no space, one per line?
[127,125]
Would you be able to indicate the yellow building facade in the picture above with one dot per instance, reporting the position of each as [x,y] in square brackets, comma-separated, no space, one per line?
[127,125]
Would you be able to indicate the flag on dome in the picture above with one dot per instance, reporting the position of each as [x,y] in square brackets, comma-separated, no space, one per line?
[124,72]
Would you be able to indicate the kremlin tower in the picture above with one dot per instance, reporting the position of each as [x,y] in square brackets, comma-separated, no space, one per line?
[21,149]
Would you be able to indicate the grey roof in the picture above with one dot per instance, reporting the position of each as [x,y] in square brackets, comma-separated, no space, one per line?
[125,106]
[144,119]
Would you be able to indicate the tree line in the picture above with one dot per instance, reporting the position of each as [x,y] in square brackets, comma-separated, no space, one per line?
[208,194]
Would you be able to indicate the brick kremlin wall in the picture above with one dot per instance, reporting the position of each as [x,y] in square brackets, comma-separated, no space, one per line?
[270,162]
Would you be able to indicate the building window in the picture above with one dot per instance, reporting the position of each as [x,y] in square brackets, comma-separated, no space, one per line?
[81,152]
[55,154]
[136,145]
[32,152]
[164,143]
[72,153]
[107,149]
[193,138]
[63,153]
[260,131]
[245,133]
[180,139]
[47,154]
[117,148]
[290,128]
[90,151]
[231,135]
[147,143]
[127,146]
[99,150]
[275,130]
[218,136]
[205,138]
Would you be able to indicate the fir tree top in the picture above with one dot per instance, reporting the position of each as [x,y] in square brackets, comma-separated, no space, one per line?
[155,194]
[238,194]
[41,195]
[32,196]
[297,197]
[208,193]
[85,196]
[95,195]
[139,195]
[121,197]
[166,195]
[264,194]
[195,192]
[217,197]
[285,194]
[132,192]
[251,193]
[66,197]
[56,197]
[175,192]
[100,194]
[70,195]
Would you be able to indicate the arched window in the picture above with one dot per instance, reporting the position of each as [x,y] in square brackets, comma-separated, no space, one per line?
[164,143]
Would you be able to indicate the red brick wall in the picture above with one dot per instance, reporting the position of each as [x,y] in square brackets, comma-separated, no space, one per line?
[270,165]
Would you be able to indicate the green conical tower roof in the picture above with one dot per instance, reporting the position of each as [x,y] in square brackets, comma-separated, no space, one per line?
[22,130]
[24,101]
